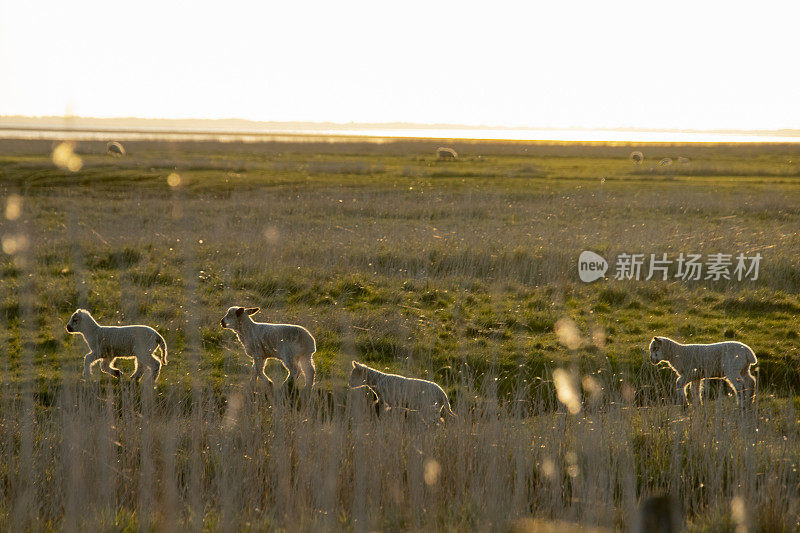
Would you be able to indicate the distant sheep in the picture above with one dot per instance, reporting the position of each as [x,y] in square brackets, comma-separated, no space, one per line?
[730,361]
[665,162]
[684,160]
[293,345]
[426,397]
[446,153]
[637,157]
[116,149]
[108,343]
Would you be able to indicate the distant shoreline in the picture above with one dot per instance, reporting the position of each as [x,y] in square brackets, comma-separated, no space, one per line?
[85,129]
[244,125]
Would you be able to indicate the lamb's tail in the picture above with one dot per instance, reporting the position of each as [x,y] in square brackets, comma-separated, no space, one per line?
[751,356]
[163,345]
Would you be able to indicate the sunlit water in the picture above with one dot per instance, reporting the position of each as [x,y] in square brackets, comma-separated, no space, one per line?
[553,135]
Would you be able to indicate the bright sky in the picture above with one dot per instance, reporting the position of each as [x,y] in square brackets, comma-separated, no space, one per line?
[655,64]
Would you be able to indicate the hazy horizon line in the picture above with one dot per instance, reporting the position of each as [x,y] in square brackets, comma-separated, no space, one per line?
[373,125]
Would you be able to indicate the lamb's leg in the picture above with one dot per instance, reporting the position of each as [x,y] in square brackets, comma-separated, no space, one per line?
[750,387]
[737,385]
[310,371]
[155,366]
[259,375]
[682,383]
[697,391]
[295,371]
[258,371]
[435,414]
[286,357]
[88,360]
[139,370]
[107,366]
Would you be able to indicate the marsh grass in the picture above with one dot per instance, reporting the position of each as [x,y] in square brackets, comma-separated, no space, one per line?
[108,456]
[456,272]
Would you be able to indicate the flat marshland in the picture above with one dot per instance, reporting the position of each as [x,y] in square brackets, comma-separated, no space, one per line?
[464,272]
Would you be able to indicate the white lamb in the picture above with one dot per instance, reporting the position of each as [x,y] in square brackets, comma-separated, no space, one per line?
[115,148]
[444,152]
[293,345]
[426,397]
[108,343]
[730,361]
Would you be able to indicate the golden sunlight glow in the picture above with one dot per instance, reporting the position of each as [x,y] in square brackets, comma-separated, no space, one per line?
[566,390]
[174,179]
[13,207]
[432,470]
[568,334]
[65,158]
[272,235]
[683,64]
[13,244]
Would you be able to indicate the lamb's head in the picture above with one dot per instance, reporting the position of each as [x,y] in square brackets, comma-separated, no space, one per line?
[657,349]
[233,318]
[78,321]
[358,376]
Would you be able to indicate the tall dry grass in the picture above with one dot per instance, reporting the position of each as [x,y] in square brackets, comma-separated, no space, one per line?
[105,457]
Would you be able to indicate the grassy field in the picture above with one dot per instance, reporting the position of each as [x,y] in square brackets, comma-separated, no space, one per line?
[458,271]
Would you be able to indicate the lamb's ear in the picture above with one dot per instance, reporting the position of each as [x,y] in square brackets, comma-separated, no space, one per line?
[239,311]
[252,310]
[354,364]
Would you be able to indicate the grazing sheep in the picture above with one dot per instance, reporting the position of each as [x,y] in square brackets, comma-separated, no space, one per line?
[637,157]
[426,397]
[446,153]
[293,345]
[665,162]
[108,343]
[114,148]
[730,361]
[684,160]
